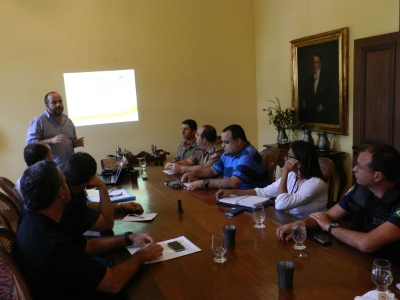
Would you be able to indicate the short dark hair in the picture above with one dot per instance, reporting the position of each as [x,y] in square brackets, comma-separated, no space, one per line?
[80,168]
[306,154]
[317,55]
[35,152]
[385,159]
[210,133]
[192,124]
[237,132]
[46,97]
[40,184]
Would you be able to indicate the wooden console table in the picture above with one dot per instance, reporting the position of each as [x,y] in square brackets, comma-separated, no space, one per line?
[335,156]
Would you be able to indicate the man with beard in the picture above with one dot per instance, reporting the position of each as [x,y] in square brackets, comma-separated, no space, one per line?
[54,128]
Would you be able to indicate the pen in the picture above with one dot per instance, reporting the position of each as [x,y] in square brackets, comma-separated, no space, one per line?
[137,216]
[116,195]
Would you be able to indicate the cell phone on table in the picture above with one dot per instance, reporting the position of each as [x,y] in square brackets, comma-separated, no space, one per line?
[176,246]
[234,211]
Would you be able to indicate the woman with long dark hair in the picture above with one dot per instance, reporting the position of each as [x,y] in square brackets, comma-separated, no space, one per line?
[301,189]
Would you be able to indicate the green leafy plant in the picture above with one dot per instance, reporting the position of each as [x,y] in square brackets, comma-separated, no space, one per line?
[281,119]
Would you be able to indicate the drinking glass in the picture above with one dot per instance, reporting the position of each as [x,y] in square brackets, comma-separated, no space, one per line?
[142,162]
[218,246]
[259,216]
[381,274]
[299,235]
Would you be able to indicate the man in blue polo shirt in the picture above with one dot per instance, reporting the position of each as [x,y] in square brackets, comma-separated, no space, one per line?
[241,166]
[372,207]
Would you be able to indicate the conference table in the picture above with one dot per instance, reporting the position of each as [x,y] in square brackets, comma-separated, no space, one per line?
[250,272]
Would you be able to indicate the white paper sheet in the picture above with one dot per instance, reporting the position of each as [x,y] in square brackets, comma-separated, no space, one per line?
[168,253]
[145,217]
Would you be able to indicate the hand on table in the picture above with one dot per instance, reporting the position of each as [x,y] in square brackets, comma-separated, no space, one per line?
[322,219]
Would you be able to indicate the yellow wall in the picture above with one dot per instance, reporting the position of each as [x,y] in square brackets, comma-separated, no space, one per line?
[279,22]
[192,59]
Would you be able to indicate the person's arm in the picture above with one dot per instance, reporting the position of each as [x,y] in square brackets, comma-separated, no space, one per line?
[335,213]
[202,173]
[287,168]
[117,277]
[105,207]
[78,142]
[223,193]
[119,206]
[226,183]
[364,241]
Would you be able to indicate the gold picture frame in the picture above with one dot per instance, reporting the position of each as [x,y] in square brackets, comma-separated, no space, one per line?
[319,81]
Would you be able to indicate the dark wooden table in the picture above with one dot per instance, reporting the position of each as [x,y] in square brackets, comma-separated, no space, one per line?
[334,272]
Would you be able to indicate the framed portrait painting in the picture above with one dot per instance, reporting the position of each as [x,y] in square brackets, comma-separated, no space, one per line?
[319,79]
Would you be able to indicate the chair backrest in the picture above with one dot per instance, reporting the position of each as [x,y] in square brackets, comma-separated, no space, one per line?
[4,221]
[270,156]
[150,159]
[10,210]
[7,186]
[13,284]
[328,171]
[7,237]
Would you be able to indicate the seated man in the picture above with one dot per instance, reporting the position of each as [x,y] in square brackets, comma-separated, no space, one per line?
[372,206]
[188,145]
[241,166]
[80,214]
[32,154]
[207,153]
[58,264]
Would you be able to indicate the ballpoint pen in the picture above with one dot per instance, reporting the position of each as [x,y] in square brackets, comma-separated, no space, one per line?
[137,216]
[116,195]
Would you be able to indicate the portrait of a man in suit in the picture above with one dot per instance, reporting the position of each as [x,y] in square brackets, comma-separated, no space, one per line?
[319,101]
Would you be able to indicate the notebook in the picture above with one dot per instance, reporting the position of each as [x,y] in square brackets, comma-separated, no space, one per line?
[246,201]
[113,178]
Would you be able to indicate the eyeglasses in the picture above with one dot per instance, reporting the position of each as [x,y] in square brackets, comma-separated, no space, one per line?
[358,167]
[289,156]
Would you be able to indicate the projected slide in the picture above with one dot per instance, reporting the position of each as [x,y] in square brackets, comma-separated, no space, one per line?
[101,97]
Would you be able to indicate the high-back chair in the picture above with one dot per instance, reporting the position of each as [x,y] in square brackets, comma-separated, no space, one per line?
[7,186]
[7,237]
[270,156]
[328,171]
[4,221]
[13,284]
[10,210]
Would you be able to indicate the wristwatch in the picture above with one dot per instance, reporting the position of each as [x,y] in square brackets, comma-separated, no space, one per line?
[127,240]
[206,182]
[333,225]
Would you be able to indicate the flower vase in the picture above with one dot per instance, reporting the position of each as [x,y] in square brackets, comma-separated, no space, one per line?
[282,136]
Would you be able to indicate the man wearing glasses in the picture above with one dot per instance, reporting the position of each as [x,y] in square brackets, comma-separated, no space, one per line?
[241,166]
[372,206]
[208,151]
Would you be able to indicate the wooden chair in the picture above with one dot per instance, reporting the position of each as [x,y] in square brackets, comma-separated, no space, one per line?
[150,159]
[270,156]
[4,221]
[328,171]
[13,284]
[7,186]
[7,237]
[10,210]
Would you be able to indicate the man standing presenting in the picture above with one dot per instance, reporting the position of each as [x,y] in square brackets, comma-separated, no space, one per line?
[207,153]
[54,128]
[241,166]
[372,207]
[188,145]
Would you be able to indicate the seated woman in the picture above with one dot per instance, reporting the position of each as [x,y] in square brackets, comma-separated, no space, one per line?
[300,190]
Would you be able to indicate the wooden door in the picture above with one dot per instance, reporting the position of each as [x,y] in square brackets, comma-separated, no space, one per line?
[377,91]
